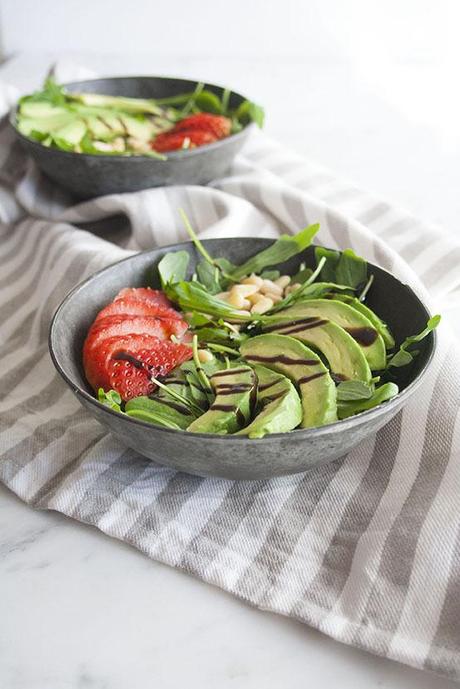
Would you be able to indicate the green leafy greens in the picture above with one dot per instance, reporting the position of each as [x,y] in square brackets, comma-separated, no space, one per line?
[403,356]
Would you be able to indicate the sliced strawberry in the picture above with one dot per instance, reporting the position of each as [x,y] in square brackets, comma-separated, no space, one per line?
[137,307]
[217,125]
[126,363]
[124,324]
[188,138]
[153,296]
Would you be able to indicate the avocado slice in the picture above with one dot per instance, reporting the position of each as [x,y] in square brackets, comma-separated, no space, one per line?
[42,125]
[344,355]
[279,404]
[303,367]
[41,110]
[236,390]
[138,129]
[99,128]
[355,323]
[381,327]
[70,134]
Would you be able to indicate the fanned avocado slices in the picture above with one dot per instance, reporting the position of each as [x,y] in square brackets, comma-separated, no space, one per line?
[236,391]
[381,327]
[305,369]
[278,402]
[345,357]
[355,323]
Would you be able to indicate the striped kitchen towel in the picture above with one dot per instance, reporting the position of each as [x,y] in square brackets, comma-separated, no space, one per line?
[365,549]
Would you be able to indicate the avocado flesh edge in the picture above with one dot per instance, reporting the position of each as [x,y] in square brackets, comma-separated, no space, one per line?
[377,322]
[344,355]
[230,410]
[303,367]
[281,410]
[343,315]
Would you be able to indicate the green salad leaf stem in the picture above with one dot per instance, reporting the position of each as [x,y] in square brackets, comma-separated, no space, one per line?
[350,390]
[403,356]
[176,395]
[109,399]
[173,267]
[281,250]
[381,394]
[204,380]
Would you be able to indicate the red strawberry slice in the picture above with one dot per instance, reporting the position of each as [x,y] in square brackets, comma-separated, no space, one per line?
[124,324]
[218,125]
[126,363]
[188,138]
[137,307]
[153,296]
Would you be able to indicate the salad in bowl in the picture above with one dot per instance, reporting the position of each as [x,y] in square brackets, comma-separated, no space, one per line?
[247,349]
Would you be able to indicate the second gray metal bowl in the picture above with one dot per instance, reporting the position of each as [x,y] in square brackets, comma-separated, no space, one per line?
[88,176]
[234,457]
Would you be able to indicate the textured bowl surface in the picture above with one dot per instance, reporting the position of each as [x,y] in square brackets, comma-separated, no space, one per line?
[229,456]
[87,176]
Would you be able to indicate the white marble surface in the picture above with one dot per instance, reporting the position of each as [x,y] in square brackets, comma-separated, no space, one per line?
[80,611]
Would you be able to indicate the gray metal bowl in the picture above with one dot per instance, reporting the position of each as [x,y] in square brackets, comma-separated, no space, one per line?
[230,456]
[87,176]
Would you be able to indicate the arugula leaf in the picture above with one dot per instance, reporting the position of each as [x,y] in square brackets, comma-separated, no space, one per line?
[284,248]
[198,244]
[192,296]
[403,357]
[111,399]
[223,349]
[302,276]
[351,269]
[50,93]
[173,267]
[328,271]
[151,417]
[382,394]
[209,276]
[218,335]
[250,112]
[345,268]
[270,274]
[350,390]
[209,102]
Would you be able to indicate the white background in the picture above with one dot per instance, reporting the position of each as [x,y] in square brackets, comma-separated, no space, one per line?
[368,88]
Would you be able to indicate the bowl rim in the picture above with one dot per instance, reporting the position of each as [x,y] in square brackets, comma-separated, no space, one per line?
[301,433]
[173,155]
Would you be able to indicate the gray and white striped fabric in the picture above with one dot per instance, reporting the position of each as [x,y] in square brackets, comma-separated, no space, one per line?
[366,549]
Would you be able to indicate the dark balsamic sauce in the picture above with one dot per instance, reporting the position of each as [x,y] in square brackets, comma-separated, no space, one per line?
[301,327]
[276,396]
[230,372]
[266,386]
[365,336]
[307,379]
[282,359]
[338,377]
[124,356]
[308,320]
[232,389]
[174,405]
